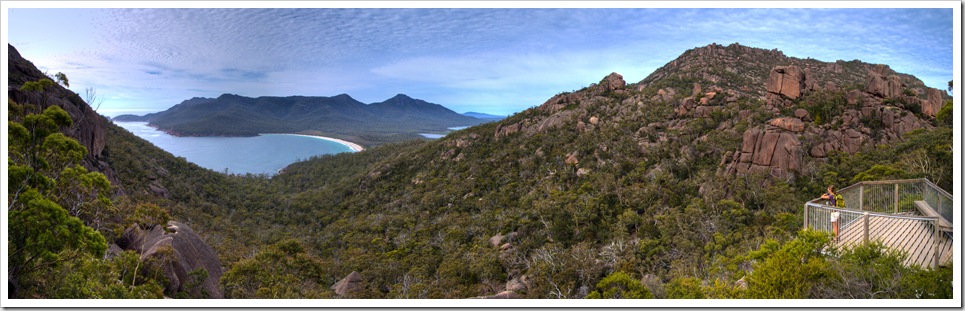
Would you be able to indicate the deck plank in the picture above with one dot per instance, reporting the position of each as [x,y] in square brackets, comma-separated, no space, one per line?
[925,261]
[948,250]
[913,237]
[918,243]
[907,235]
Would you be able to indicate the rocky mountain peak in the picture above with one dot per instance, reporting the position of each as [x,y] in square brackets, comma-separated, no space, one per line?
[401,97]
[798,110]
[881,112]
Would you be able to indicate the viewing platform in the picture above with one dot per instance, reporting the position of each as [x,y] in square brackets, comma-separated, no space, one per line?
[913,216]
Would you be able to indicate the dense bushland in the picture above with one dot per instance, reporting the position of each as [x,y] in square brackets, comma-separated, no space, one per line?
[611,196]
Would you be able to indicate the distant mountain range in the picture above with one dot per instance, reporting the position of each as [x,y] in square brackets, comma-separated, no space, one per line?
[484,116]
[398,118]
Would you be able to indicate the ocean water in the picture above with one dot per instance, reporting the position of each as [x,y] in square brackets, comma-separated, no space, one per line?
[438,135]
[432,136]
[264,154]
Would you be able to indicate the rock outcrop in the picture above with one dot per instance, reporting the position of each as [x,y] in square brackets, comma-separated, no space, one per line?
[787,81]
[880,113]
[847,140]
[613,81]
[352,283]
[558,113]
[788,124]
[883,82]
[702,104]
[934,103]
[89,128]
[180,251]
[773,149]
[517,284]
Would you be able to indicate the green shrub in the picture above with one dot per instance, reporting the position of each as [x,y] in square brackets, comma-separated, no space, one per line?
[619,285]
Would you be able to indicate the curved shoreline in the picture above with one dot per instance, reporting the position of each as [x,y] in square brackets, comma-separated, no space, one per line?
[355,147]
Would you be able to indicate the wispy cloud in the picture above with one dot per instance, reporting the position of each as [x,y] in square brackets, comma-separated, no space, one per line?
[503,60]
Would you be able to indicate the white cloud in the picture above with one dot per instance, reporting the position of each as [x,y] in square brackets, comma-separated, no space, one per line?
[469,57]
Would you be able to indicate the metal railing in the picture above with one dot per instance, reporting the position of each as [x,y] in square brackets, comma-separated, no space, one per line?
[818,217]
[874,202]
[938,199]
[868,227]
[897,196]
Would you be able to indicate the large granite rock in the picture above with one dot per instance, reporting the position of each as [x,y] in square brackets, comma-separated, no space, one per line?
[934,103]
[773,150]
[786,80]
[883,82]
[184,251]
[789,124]
[613,81]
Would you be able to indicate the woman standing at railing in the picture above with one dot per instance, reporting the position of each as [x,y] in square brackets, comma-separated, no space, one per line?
[830,196]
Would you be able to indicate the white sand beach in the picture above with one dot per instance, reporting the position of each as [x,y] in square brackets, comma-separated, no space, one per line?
[355,147]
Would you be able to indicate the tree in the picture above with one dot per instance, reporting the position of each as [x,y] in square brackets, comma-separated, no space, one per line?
[45,176]
[62,79]
[879,172]
[946,115]
[38,87]
[865,271]
[283,270]
[685,288]
[90,96]
[43,235]
[619,285]
[89,276]
[789,270]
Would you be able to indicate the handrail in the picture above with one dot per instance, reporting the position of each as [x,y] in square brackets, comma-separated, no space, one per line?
[877,214]
[888,182]
[936,188]
[867,200]
[863,218]
[925,188]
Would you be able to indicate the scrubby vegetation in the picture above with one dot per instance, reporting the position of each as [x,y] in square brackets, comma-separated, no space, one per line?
[59,215]
[611,196]
[416,219]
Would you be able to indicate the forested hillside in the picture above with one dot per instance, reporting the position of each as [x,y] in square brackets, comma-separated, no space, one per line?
[688,184]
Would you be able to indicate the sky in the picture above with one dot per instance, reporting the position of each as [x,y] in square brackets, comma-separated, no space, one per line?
[491,60]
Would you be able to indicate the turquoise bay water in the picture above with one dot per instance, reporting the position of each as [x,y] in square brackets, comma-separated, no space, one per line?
[437,135]
[264,154]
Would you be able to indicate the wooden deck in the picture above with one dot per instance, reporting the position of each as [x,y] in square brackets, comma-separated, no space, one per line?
[914,237]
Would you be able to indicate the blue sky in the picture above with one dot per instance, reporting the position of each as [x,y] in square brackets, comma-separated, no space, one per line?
[496,61]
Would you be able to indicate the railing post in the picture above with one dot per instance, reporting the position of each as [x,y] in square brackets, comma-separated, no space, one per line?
[805,216]
[866,226]
[937,243]
[896,198]
[861,197]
